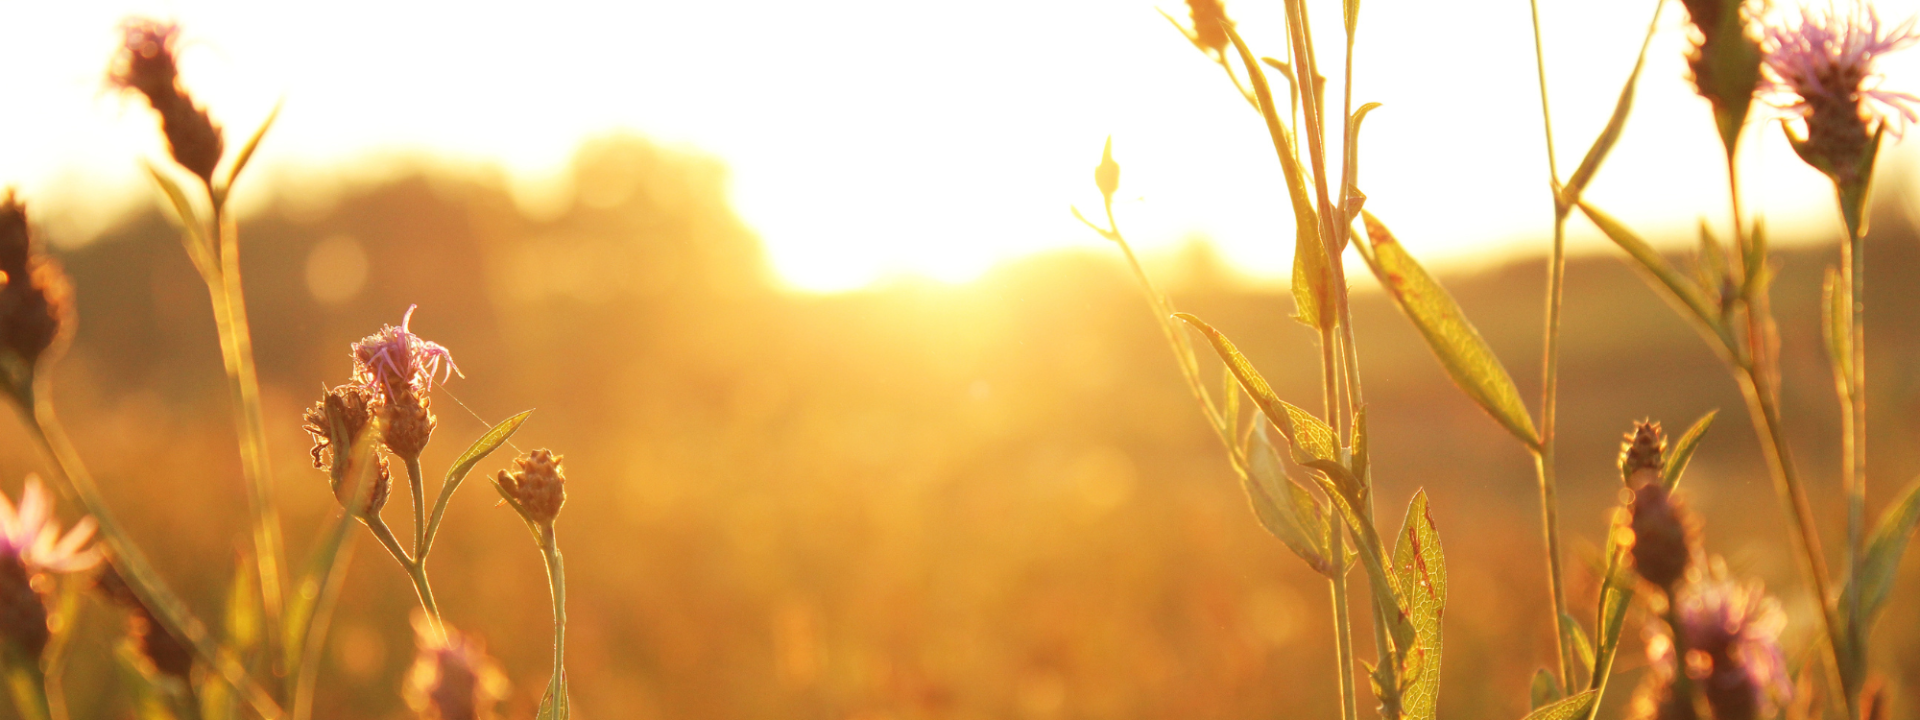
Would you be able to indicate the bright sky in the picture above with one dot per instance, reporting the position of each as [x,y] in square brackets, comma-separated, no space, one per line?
[871,140]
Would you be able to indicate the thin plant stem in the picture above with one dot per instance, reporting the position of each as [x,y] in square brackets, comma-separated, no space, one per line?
[419,497]
[1336,548]
[1545,457]
[415,572]
[167,608]
[557,582]
[1853,266]
[314,643]
[230,315]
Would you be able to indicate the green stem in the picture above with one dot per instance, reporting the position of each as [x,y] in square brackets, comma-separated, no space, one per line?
[313,639]
[557,582]
[236,347]
[77,485]
[415,571]
[1855,268]
[418,494]
[1342,621]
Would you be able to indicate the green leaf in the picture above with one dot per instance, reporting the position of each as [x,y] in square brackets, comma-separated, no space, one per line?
[1682,452]
[1353,198]
[1311,438]
[1582,647]
[1284,508]
[553,705]
[1615,124]
[1544,689]
[1878,565]
[1311,276]
[479,450]
[1576,706]
[246,153]
[1421,569]
[1616,595]
[199,247]
[1837,326]
[1678,289]
[1449,334]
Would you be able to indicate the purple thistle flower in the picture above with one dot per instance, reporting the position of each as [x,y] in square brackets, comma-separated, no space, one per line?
[394,359]
[1732,634]
[452,678]
[1826,60]
[31,534]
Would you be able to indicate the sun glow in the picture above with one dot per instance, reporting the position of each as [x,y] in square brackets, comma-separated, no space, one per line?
[880,140]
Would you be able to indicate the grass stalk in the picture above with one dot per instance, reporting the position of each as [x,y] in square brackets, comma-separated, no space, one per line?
[1854,426]
[127,558]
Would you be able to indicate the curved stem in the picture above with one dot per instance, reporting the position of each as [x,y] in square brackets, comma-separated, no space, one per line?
[414,571]
[557,582]
[127,558]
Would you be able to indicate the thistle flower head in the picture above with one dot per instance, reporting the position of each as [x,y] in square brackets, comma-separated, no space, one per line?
[1821,68]
[146,64]
[1641,452]
[30,544]
[452,678]
[393,358]
[537,488]
[336,423]
[1732,634]
[36,306]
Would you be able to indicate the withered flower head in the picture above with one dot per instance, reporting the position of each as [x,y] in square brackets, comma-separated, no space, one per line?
[36,300]
[452,678]
[146,64]
[1821,65]
[1209,24]
[395,357]
[169,655]
[538,488]
[335,424]
[1641,453]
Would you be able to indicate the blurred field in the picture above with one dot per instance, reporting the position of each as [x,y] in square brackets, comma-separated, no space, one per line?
[922,501]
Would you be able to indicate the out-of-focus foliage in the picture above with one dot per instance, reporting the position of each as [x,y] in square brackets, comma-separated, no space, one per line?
[919,501]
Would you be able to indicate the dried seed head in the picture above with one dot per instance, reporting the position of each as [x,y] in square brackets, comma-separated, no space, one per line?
[410,422]
[1641,453]
[452,678]
[1209,24]
[36,300]
[538,487]
[1822,70]
[146,64]
[168,654]
[1664,535]
[335,424]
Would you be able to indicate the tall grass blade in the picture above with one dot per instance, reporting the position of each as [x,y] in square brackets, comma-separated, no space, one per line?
[1453,339]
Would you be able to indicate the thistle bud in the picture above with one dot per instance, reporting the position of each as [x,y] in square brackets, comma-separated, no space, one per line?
[452,678]
[1641,454]
[35,297]
[336,423]
[1725,62]
[410,422]
[1663,535]
[146,64]
[538,488]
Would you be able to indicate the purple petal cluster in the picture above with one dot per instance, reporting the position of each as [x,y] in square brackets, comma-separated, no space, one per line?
[1825,58]
[395,359]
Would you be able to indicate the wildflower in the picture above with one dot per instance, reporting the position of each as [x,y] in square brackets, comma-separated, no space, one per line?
[452,678]
[35,297]
[395,357]
[410,423]
[30,544]
[1209,24]
[1822,68]
[146,64]
[1725,62]
[1732,634]
[168,654]
[1641,453]
[336,423]
[537,489]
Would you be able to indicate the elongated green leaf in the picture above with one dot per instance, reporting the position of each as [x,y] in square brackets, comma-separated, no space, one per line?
[1885,548]
[1453,339]
[1576,706]
[192,236]
[1682,452]
[1284,508]
[457,473]
[1582,647]
[1543,690]
[1353,199]
[246,154]
[1422,572]
[1678,289]
[1837,324]
[1311,438]
[1311,276]
[1615,124]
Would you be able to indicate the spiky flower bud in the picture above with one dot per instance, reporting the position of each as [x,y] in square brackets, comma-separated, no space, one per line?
[336,423]
[538,488]
[1663,535]
[1209,24]
[410,422]
[169,655]
[1641,453]
[1725,61]
[36,306]
[452,678]
[146,64]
